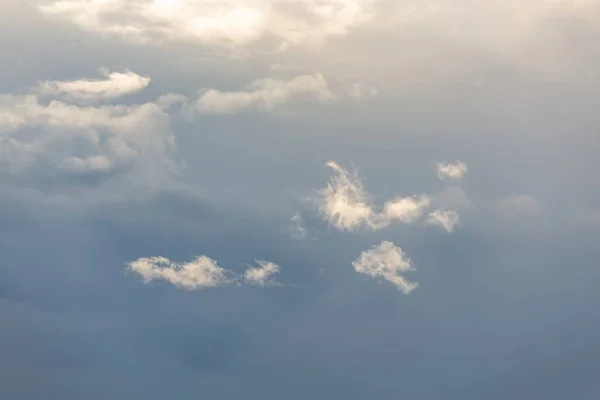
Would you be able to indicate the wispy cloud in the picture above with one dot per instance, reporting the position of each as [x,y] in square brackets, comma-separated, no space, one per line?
[297,229]
[451,171]
[346,205]
[114,84]
[389,262]
[447,219]
[262,275]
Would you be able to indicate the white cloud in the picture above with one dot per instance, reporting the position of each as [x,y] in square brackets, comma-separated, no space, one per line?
[386,261]
[261,275]
[202,272]
[230,22]
[446,219]
[58,137]
[346,205]
[114,85]
[451,171]
[265,95]
[406,209]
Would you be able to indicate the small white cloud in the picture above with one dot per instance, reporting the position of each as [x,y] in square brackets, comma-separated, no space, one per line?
[451,171]
[446,219]
[346,205]
[265,95]
[386,261]
[406,209]
[262,275]
[114,85]
[344,202]
[202,272]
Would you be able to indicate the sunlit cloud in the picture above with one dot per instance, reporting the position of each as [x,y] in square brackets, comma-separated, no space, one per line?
[389,262]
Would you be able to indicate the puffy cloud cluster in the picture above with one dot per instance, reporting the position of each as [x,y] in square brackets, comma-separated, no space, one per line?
[389,262]
[58,136]
[201,272]
[346,205]
[225,22]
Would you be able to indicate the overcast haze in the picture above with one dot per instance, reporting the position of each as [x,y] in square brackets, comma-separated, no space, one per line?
[277,199]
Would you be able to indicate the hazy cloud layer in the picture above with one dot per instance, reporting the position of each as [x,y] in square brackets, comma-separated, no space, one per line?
[208,129]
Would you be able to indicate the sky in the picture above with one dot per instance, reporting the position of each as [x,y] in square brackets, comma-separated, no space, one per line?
[292,199]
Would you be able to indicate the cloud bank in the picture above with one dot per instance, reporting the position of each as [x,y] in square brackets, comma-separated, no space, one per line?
[306,23]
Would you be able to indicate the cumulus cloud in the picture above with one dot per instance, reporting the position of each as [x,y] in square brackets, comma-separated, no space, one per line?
[261,275]
[202,272]
[59,137]
[389,262]
[114,85]
[299,23]
[451,171]
[405,209]
[265,95]
[346,205]
[446,219]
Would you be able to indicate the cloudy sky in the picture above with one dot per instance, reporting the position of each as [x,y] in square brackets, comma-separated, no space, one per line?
[293,199]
